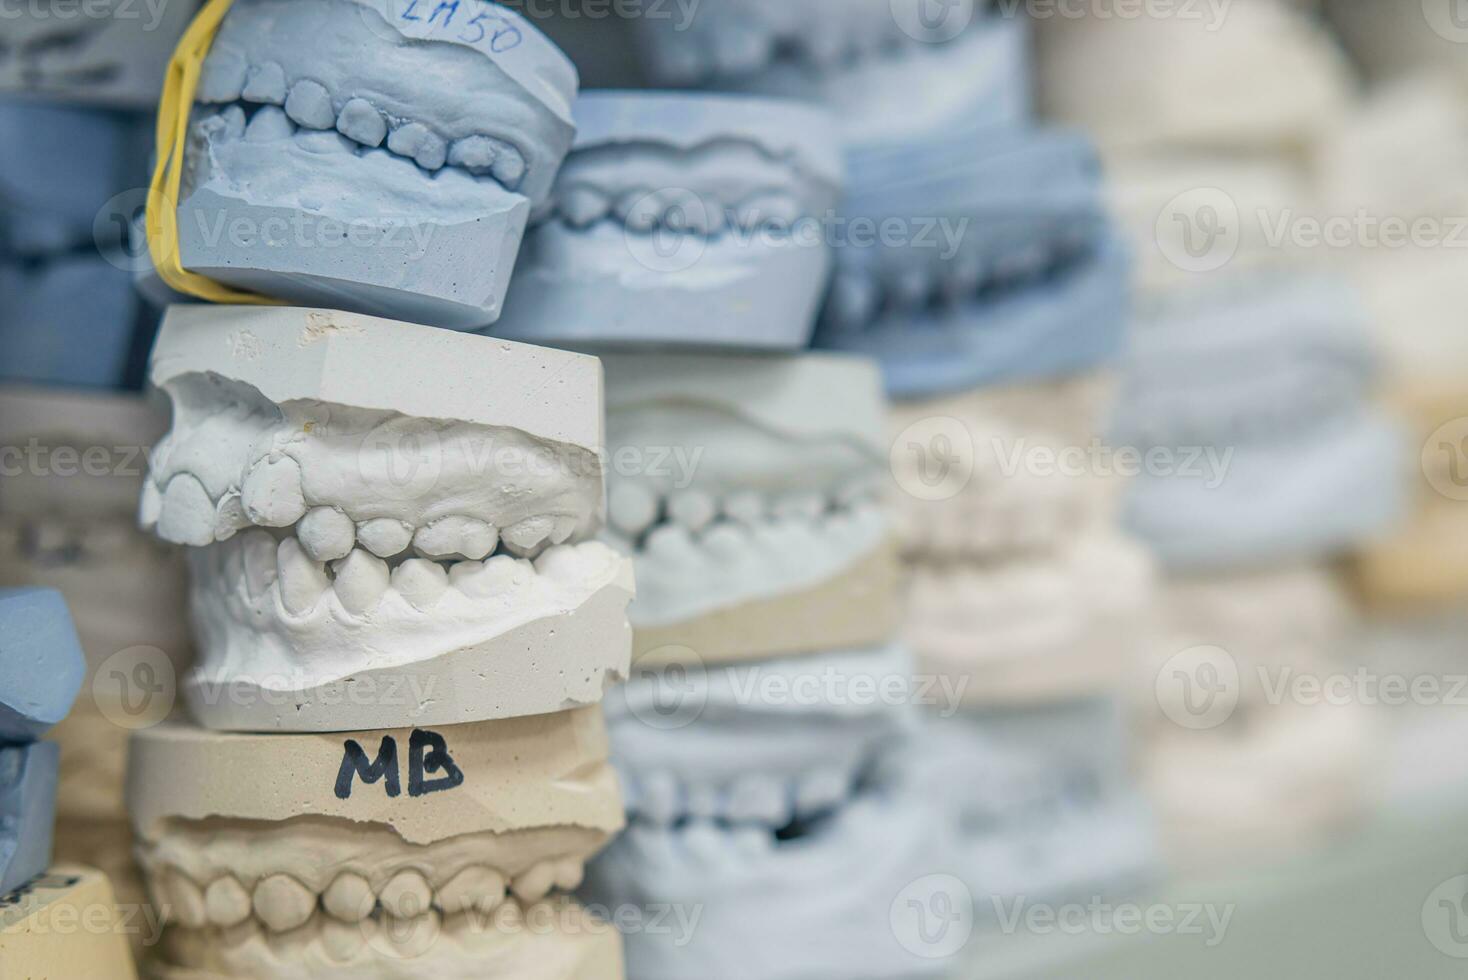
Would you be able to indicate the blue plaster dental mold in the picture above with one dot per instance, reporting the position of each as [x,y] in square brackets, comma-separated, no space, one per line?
[687,220]
[27,811]
[41,663]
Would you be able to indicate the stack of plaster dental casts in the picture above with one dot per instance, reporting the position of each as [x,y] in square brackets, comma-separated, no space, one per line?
[1248,386]
[68,521]
[388,530]
[744,481]
[41,671]
[998,314]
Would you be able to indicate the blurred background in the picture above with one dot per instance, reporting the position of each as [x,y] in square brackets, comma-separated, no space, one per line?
[1273,456]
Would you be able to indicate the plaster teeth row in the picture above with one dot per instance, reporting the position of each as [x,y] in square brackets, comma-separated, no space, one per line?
[755,798]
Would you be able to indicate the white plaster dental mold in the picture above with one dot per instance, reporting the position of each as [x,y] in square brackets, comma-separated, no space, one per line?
[746,488]
[856,56]
[670,202]
[372,155]
[384,854]
[112,53]
[383,521]
[762,743]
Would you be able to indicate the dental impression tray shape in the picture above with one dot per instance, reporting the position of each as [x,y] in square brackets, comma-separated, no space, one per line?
[386,523]
[373,155]
[389,854]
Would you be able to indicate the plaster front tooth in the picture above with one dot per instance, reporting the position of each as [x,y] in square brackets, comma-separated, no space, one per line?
[535,884]
[349,898]
[526,537]
[759,798]
[266,84]
[283,903]
[583,207]
[570,872]
[185,901]
[261,568]
[671,544]
[227,902]
[474,153]
[821,790]
[560,564]
[631,508]
[406,140]
[477,889]
[360,121]
[272,493]
[406,895]
[229,516]
[223,78]
[150,506]
[326,533]
[509,167]
[302,581]
[188,513]
[694,509]
[432,152]
[385,537]
[268,125]
[456,537]
[342,941]
[309,104]
[421,582]
[746,507]
[361,581]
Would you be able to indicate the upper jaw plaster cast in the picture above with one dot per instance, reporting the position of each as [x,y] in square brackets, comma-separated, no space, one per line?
[668,200]
[854,56]
[373,155]
[363,500]
[386,854]
[746,488]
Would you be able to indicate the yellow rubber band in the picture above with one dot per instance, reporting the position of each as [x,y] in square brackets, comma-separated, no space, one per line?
[179,86]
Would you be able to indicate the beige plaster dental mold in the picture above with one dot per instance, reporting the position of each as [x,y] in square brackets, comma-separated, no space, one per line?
[64,925]
[747,490]
[397,853]
[387,523]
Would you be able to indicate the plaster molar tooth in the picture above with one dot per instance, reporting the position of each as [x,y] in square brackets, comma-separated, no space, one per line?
[525,538]
[234,122]
[493,577]
[326,533]
[282,903]
[342,941]
[324,141]
[223,77]
[673,544]
[268,125]
[746,507]
[569,874]
[456,537]
[535,884]
[583,206]
[562,564]
[385,537]
[726,541]
[477,889]
[227,902]
[272,492]
[421,582]
[407,895]
[309,104]
[187,516]
[229,516]
[509,167]
[639,208]
[693,509]
[420,144]
[303,582]
[475,154]
[361,581]
[265,84]
[360,122]
[349,898]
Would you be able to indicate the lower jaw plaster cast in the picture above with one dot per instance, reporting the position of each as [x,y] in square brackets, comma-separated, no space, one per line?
[669,200]
[382,520]
[384,854]
[746,489]
[39,935]
[777,815]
